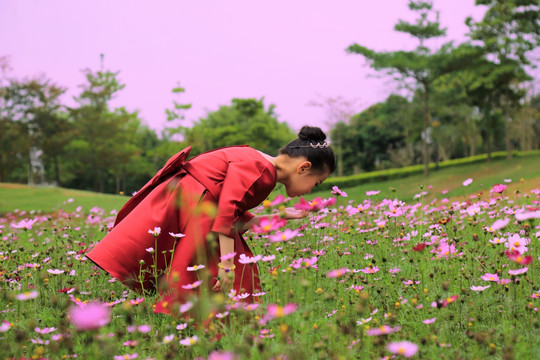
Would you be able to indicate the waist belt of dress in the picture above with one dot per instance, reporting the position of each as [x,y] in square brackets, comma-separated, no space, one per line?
[207,183]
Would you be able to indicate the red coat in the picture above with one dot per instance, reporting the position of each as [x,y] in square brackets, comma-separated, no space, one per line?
[235,179]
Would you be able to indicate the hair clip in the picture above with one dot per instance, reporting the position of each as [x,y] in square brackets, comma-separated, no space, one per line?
[323,145]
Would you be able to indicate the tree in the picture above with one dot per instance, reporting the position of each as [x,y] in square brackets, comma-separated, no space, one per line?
[509,30]
[421,66]
[245,121]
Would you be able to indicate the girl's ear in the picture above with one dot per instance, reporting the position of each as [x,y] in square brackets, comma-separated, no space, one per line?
[303,167]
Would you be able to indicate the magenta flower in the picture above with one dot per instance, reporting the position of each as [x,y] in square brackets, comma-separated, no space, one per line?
[404,348]
[44,330]
[467,182]
[91,316]
[429,321]
[215,355]
[268,224]
[337,272]
[370,270]
[278,200]
[372,192]
[312,205]
[522,216]
[126,356]
[382,330]
[338,192]
[498,188]
[516,257]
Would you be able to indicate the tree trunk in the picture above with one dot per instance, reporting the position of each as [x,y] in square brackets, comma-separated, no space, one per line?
[427,122]
[57,172]
[507,120]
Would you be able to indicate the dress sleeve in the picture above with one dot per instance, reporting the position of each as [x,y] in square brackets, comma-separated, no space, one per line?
[244,183]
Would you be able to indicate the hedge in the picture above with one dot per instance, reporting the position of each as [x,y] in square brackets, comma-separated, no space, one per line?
[389,174]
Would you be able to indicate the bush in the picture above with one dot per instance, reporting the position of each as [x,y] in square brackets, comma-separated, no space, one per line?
[389,174]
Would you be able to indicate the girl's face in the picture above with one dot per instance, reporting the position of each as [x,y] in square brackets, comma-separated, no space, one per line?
[303,180]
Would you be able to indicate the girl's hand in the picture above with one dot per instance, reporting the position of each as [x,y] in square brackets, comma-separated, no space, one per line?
[292,213]
[225,281]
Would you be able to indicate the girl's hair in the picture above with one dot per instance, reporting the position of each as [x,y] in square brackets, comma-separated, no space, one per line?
[311,144]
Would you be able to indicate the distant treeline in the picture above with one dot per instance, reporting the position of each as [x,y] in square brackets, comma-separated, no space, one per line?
[455,101]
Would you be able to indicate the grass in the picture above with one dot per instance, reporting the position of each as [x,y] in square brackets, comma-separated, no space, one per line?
[52,199]
[524,173]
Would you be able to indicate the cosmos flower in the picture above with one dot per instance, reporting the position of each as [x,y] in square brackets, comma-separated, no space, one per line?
[92,316]
[479,288]
[429,321]
[490,277]
[382,330]
[189,341]
[338,192]
[312,205]
[283,236]
[518,272]
[176,236]
[372,192]
[467,182]
[195,267]
[228,256]
[337,272]
[516,257]
[499,224]
[194,285]
[517,243]
[269,224]
[498,188]
[5,326]
[277,311]
[55,271]
[249,260]
[404,348]
[27,295]
[156,231]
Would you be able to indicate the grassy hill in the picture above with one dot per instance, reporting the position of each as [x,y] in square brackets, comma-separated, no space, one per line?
[524,173]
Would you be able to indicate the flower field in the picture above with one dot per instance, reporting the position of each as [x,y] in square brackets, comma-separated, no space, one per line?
[358,279]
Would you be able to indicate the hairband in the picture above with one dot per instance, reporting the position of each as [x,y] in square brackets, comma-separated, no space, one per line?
[315,146]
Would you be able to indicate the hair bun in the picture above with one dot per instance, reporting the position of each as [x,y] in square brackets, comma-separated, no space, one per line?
[311,133]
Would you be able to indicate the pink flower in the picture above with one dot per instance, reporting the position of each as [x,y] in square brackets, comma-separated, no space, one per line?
[276,311]
[189,341]
[5,326]
[27,295]
[90,317]
[498,188]
[136,301]
[404,348]
[195,267]
[215,355]
[283,236]
[499,224]
[44,330]
[126,356]
[479,288]
[143,329]
[382,330]
[338,192]
[192,286]
[372,192]
[267,224]
[185,307]
[526,216]
[228,256]
[518,272]
[249,260]
[370,270]
[177,236]
[429,321]
[467,182]
[490,277]
[156,231]
[517,243]
[55,271]
[304,263]
[337,272]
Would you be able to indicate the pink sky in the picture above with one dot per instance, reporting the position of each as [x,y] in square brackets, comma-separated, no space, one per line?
[291,52]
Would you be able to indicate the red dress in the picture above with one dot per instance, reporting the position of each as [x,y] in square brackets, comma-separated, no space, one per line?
[234,179]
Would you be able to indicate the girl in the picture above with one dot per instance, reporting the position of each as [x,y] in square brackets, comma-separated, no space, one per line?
[167,228]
